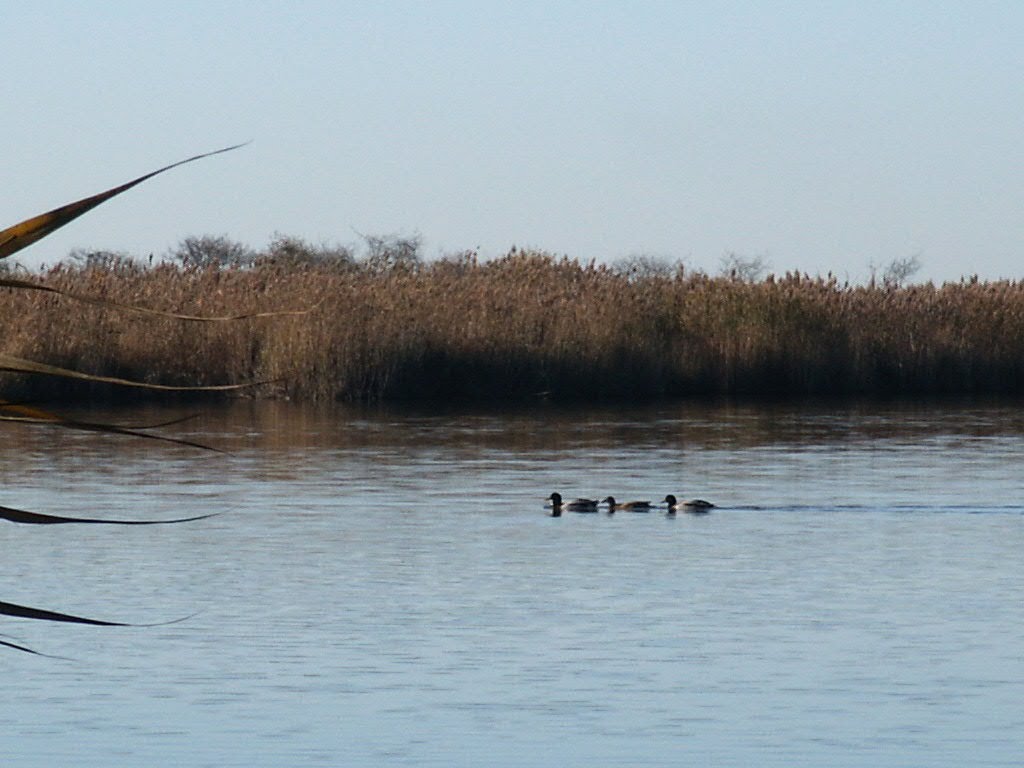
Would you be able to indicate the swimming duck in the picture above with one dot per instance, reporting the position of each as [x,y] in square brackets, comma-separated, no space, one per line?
[690,505]
[628,506]
[576,505]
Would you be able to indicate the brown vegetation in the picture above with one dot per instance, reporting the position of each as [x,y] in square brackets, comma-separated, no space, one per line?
[524,325]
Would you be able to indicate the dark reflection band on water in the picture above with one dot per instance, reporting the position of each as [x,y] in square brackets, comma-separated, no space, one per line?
[385,586]
[823,427]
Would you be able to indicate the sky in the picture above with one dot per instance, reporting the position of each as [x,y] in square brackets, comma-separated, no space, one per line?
[818,136]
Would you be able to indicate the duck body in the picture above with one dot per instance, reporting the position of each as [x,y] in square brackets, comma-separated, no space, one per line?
[576,505]
[687,505]
[627,506]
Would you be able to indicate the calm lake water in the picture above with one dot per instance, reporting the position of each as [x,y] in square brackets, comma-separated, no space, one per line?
[386,588]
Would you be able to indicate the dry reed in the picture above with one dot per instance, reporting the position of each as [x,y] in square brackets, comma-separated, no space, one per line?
[521,326]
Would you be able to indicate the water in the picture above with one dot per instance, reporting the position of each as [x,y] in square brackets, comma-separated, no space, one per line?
[385,588]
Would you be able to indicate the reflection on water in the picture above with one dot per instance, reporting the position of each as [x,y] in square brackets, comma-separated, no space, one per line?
[384,587]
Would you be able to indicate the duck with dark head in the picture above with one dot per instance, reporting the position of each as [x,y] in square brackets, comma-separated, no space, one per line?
[687,505]
[576,505]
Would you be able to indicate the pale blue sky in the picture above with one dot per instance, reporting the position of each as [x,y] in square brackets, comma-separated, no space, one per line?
[820,135]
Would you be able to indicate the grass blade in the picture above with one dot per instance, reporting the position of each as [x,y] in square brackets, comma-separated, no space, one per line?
[27,612]
[36,518]
[113,429]
[23,234]
[30,286]
[20,365]
[26,649]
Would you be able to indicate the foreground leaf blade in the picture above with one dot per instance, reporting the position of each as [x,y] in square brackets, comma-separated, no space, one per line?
[28,285]
[26,649]
[37,518]
[111,429]
[21,365]
[25,233]
[27,612]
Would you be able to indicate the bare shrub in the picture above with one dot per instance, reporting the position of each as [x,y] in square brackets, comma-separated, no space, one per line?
[84,258]
[747,269]
[385,252]
[285,251]
[898,271]
[212,250]
[645,265]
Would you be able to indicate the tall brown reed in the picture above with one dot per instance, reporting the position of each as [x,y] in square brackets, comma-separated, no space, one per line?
[524,325]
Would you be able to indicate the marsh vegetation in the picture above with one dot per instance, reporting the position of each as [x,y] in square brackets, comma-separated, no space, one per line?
[387,325]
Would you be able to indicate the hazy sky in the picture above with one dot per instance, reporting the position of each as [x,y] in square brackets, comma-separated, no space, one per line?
[819,135]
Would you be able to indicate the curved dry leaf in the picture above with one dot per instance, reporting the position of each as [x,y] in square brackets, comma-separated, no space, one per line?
[40,614]
[27,612]
[26,649]
[36,518]
[21,365]
[113,429]
[30,286]
[23,234]
[29,412]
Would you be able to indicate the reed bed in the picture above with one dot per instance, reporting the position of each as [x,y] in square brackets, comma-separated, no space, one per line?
[522,326]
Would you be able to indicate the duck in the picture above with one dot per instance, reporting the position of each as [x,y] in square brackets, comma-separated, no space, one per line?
[688,505]
[576,505]
[627,506]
